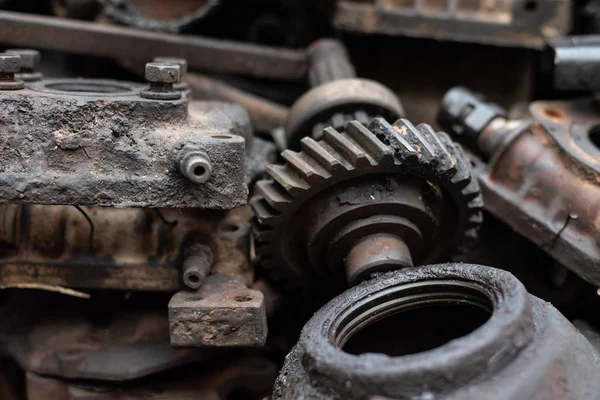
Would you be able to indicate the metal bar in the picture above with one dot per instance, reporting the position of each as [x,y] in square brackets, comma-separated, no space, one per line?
[71,36]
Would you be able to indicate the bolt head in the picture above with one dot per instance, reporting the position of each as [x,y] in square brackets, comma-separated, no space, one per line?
[10,63]
[29,58]
[162,73]
[182,62]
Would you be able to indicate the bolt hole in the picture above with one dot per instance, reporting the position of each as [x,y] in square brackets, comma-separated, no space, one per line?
[193,278]
[594,135]
[199,170]
[530,6]
[221,137]
[242,299]
[552,113]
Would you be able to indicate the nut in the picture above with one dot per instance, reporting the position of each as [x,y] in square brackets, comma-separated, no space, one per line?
[29,58]
[182,62]
[9,63]
[162,73]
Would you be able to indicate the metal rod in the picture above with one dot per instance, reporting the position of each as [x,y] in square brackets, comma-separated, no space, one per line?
[71,36]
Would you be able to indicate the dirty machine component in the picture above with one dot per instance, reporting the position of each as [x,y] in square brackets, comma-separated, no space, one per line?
[366,200]
[542,176]
[516,23]
[448,331]
[118,144]
[337,96]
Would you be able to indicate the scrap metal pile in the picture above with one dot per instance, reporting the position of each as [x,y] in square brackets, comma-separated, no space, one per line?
[278,199]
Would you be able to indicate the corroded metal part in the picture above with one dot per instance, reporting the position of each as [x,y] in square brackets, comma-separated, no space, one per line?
[249,378]
[514,23]
[108,248]
[96,142]
[402,180]
[543,179]
[448,331]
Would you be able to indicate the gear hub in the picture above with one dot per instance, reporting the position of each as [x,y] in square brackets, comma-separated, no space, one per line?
[363,201]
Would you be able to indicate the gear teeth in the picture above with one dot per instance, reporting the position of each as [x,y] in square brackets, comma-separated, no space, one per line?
[403,150]
[321,156]
[412,135]
[312,173]
[265,214]
[288,178]
[274,194]
[476,203]
[444,163]
[346,148]
[369,142]
[471,191]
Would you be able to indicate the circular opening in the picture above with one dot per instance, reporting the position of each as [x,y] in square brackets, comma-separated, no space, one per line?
[88,87]
[243,299]
[530,6]
[221,137]
[193,278]
[199,170]
[594,134]
[419,319]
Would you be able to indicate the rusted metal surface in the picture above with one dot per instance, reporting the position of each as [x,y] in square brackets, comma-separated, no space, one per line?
[250,378]
[124,249]
[96,142]
[543,179]
[402,180]
[265,115]
[223,312]
[497,22]
[122,43]
[106,337]
[507,344]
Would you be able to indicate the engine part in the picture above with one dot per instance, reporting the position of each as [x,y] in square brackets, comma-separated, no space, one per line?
[92,339]
[517,23]
[448,331]
[30,59]
[250,378]
[10,64]
[543,173]
[222,313]
[157,15]
[66,138]
[362,201]
[337,96]
[124,43]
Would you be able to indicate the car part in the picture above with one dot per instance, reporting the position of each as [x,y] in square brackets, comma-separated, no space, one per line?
[516,23]
[83,134]
[543,173]
[337,96]
[448,331]
[249,378]
[361,201]
[122,43]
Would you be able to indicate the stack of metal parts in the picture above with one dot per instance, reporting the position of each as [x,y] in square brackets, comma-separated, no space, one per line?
[203,215]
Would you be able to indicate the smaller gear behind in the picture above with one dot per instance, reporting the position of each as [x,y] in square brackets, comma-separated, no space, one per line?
[362,201]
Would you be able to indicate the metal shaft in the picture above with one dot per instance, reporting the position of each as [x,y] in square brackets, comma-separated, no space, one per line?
[26,30]
[328,62]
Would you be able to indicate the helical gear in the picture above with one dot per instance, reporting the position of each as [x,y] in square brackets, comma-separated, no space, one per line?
[380,149]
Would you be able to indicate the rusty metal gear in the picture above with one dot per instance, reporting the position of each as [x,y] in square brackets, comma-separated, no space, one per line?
[366,200]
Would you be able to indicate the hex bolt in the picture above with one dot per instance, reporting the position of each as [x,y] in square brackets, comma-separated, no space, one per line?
[196,266]
[9,65]
[196,166]
[30,59]
[161,77]
[183,68]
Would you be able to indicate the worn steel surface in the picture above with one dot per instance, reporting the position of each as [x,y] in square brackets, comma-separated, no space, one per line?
[496,22]
[249,379]
[124,249]
[223,312]
[403,180]
[95,142]
[506,345]
[122,43]
[543,179]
